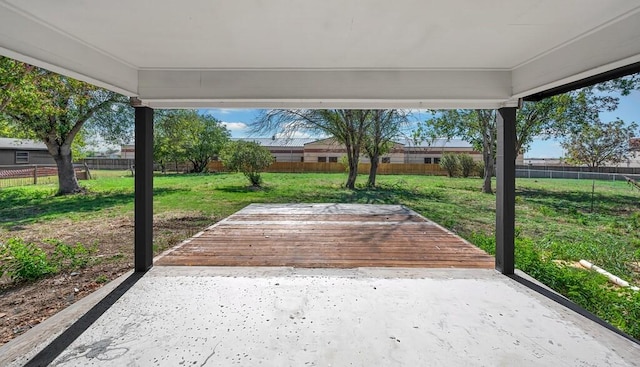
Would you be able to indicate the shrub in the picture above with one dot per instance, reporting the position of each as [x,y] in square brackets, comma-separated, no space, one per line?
[467,164]
[450,163]
[23,261]
[480,169]
[247,157]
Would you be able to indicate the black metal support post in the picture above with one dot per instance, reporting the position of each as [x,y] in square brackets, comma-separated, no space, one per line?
[506,190]
[143,248]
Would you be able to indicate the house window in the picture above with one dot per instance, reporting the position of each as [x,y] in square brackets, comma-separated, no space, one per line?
[322,159]
[333,159]
[386,159]
[22,157]
[427,160]
[436,160]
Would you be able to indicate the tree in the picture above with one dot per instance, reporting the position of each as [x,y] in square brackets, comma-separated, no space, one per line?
[551,117]
[600,143]
[247,157]
[54,109]
[385,125]
[547,118]
[348,127]
[475,126]
[186,135]
[14,76]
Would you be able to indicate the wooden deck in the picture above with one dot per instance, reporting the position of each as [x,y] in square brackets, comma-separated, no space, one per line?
[327,236]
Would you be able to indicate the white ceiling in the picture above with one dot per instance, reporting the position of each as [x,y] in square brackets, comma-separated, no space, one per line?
[367,53]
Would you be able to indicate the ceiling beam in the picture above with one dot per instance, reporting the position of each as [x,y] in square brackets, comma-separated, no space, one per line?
[586,82]
[325,88]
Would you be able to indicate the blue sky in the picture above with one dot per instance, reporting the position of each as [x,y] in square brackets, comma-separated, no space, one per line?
[237,121]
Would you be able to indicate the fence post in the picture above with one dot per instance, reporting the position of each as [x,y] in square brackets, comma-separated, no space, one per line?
[35,174]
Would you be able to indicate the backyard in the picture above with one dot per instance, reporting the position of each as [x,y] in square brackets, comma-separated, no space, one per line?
[555,226]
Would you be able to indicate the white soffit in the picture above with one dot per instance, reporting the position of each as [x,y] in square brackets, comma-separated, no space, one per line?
[289,53]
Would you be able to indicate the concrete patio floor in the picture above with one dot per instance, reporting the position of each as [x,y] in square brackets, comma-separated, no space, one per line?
[249,316]
[298,316]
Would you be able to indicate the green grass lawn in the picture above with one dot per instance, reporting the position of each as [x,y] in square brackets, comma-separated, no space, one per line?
[554,220]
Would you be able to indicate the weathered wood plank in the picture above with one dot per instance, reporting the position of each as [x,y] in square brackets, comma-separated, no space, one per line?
[346,237]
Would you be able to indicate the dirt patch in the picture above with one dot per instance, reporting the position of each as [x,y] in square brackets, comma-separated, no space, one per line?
[25,305]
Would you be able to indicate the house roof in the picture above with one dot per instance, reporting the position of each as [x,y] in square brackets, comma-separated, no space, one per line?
[330,54]
[406,142]
[437,143]
[280,142]
[21,144]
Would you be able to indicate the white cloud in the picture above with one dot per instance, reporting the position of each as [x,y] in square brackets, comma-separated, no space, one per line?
[223,111]
[235,126]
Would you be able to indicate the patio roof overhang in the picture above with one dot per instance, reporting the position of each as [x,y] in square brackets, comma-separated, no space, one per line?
[331,53]
[328,54]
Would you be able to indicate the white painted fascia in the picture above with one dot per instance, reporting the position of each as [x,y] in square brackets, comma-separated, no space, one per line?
[29,40]
[612,46]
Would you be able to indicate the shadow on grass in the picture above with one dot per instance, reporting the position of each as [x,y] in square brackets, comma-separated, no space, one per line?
[25,207]
[384,194]
[562,201]
[244,189]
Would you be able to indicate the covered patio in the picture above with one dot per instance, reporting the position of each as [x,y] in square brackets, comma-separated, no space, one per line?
[326,54]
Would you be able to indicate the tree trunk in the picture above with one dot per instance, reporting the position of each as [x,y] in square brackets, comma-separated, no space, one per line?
[375,159]
[353,157]
[488,171]
[67,181]
[353,174]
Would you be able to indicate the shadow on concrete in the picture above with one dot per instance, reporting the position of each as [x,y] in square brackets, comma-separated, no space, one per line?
[59,344]
[570,305]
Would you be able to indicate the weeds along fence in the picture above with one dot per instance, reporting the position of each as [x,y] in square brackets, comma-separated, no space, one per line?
[11,176]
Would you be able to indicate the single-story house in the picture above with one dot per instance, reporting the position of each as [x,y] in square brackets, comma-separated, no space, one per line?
[15,152]
[127,151]
[283,149]
[329,150]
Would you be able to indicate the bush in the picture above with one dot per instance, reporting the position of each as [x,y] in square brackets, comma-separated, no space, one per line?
[467,164]
[247,157]
[480,169]
[450,163]
[23,261]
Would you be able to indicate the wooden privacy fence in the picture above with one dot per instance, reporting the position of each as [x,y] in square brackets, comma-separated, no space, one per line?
[363,168]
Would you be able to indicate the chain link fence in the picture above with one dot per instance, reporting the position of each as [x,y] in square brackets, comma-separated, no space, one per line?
[576,175]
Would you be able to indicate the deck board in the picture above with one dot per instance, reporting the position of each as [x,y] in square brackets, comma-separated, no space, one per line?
[327,236]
